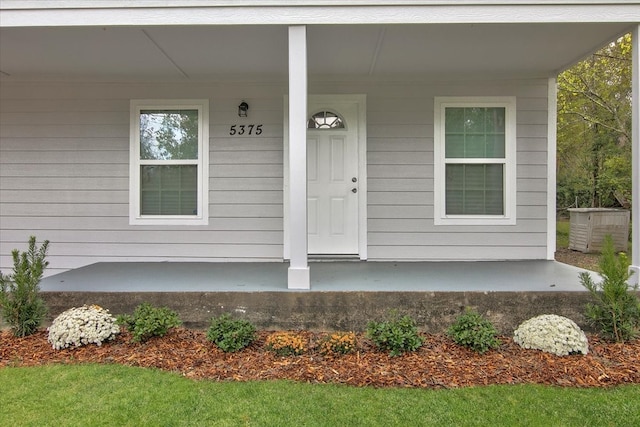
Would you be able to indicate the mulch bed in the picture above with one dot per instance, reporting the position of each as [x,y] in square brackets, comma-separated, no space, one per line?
[579,259]
[439,363]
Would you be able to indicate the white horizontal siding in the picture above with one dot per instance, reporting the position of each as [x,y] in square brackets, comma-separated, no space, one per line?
[72,156]
[44,222]
[245,197]
[64,175]
[425,225]
[450,252]
[37,209]
[69,170]
[400,173]
[69,184]
[64,167]
[454,239]
[65,131]
[8,197]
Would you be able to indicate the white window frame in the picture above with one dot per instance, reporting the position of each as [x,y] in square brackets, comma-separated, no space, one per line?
[135,217]
[509,161]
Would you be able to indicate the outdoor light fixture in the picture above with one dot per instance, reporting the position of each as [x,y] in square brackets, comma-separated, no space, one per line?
[242,109]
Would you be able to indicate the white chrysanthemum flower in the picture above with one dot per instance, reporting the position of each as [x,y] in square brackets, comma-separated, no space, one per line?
[82,325]
[553,334]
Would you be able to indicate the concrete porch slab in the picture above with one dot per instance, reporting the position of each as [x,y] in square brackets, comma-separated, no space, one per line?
[504,276]
[343,295]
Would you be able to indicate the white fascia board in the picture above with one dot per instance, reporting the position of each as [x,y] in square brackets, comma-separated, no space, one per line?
[121,13]
[90,4]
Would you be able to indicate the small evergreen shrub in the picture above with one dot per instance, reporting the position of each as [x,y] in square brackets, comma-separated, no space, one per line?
[148,321]
[338,343]
[20,302]
[231,335]
[286,344]
[553,334]
[616,310]
[473,331]
[79,326]
[395,334]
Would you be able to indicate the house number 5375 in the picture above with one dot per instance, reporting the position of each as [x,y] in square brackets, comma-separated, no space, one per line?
[245,130]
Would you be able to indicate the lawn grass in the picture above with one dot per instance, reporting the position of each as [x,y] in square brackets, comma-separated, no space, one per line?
[96,395]
[562,233]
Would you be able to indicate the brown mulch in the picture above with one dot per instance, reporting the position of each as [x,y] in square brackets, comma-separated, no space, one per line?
[579,259]
[439,363]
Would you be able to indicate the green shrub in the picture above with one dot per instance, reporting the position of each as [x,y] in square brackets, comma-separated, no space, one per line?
[229,334]
[148,321]
[22,307]
[396,334]
[616,310]
[473,331]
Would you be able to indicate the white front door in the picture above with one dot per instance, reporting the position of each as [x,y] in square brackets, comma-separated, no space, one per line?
[333,179]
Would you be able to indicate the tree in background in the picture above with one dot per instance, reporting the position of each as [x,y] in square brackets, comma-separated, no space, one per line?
[169,135]
[594,129]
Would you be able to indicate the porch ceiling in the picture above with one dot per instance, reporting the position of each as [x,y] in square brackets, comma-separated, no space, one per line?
[250,52]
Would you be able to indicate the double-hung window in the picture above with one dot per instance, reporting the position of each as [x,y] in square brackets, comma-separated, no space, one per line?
[474,161]
[169,162]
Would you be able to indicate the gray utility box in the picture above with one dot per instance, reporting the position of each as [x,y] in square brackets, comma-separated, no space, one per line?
[589,226]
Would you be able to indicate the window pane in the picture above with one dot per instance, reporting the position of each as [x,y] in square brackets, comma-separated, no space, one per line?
[454,148]
[168,134]
[454,120]
[325,120]
[495,146]
[474,120]
[168,190]
[495,120]
[474,189]
[475,133]
[475,146]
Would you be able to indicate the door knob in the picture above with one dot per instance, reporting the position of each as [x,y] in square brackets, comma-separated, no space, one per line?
[354,190]
[354,179]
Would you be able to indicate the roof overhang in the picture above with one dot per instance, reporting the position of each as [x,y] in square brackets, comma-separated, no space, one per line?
[245,40]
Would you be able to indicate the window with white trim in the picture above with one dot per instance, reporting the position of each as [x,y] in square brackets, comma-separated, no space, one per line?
[169,149]
[474,161]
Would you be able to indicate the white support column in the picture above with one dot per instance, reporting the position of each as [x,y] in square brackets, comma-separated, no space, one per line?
[635,164]
[552,144]
[298,277]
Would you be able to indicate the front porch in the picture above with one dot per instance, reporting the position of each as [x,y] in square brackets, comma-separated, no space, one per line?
[344,295]
[495,276]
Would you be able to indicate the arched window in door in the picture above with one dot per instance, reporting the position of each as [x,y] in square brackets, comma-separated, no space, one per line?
[325,120]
